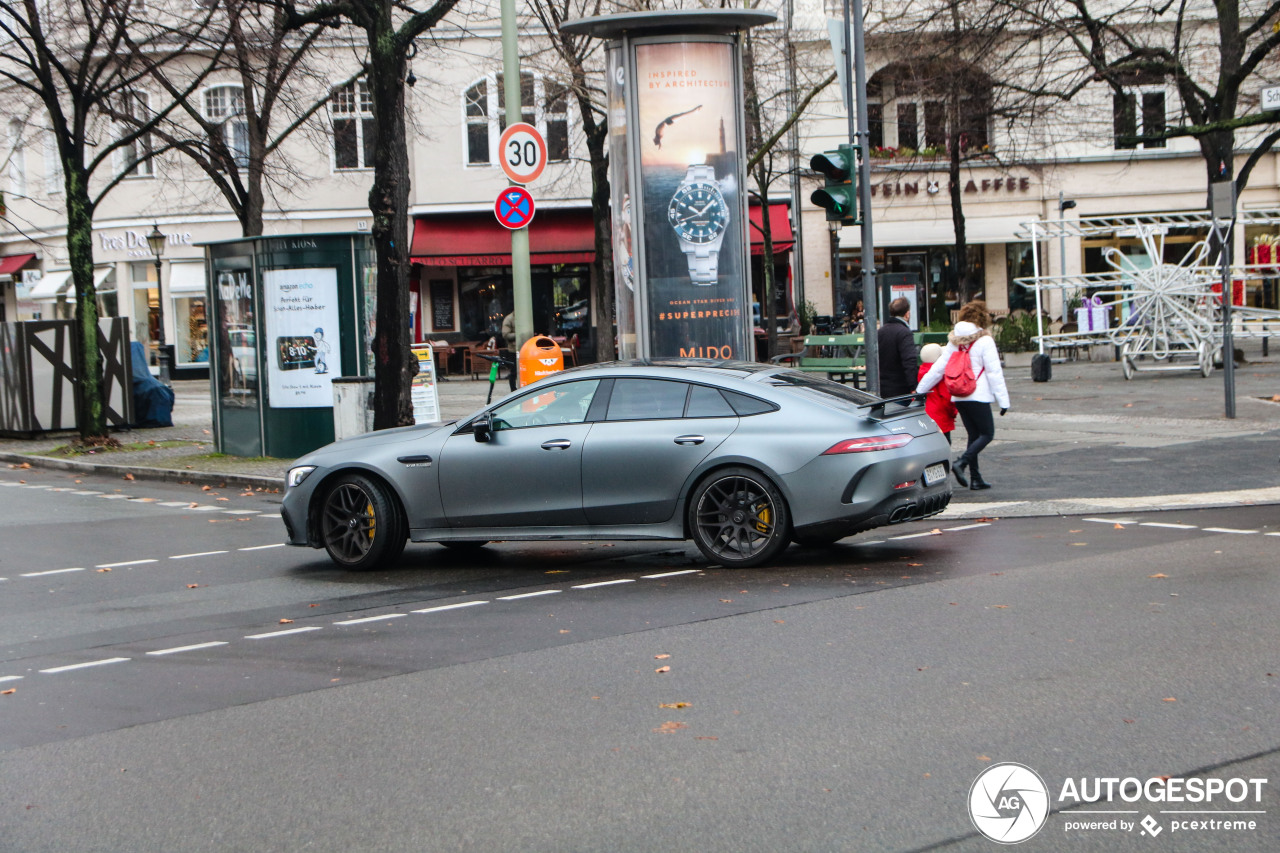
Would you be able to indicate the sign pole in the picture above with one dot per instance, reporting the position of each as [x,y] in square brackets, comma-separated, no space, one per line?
[1222,202]
[870,303]
[521,279]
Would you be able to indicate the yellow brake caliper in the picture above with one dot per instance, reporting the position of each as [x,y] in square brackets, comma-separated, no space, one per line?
[762,525]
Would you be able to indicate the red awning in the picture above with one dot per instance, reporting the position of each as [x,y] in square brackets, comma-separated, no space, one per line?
[477,240]
[10,264]
[779,229]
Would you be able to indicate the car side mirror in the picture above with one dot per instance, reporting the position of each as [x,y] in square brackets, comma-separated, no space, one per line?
[482,429]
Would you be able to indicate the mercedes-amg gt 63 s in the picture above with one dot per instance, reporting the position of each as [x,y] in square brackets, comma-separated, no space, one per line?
[741,458]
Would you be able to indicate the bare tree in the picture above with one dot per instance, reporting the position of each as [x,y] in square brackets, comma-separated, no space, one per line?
[390,30]
[1208,52]
[76,64]
[579,56]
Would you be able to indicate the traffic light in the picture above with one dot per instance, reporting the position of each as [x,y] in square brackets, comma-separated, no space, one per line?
[839,195]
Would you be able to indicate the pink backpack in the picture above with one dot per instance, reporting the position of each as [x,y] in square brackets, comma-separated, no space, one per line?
[958,374]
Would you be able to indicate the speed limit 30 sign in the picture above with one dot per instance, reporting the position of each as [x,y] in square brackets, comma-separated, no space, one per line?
[523,153]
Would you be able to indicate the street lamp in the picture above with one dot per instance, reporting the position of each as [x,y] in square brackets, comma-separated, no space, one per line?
[1063,206]
[156,241]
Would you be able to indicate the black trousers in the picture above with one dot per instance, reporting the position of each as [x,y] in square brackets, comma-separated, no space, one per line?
[979,424]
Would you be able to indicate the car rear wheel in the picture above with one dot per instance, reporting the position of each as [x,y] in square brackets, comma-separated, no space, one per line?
[738,518]
[361,524]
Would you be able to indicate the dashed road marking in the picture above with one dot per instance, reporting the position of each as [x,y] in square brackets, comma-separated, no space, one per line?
[262,547]
[672,574]
[84,665]
[1111,520]
[1225,530]
[966,527]
[49,572]
[271,634]
[125,563]
[1169,525]
[604,583]
[378,618]
[450,607]
[197,554]
[174,503]
[529,594]
[10,677]
[180,649]
[914,535]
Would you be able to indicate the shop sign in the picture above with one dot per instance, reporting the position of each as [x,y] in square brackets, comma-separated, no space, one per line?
[985,186]
[134,243]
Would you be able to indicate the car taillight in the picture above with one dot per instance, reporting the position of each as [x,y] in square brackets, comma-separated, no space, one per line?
[863,445]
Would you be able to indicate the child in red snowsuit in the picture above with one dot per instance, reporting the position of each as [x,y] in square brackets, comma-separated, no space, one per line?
[938,404]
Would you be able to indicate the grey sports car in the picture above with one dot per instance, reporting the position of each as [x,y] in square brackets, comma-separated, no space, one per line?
[741,458]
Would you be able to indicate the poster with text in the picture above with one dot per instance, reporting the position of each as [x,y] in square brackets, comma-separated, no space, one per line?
[688,108]
[303,348]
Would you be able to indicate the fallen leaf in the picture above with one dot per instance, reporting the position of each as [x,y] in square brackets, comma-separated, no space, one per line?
[779,621]
[1169,699]
[1001,606]
[206,488]
[28,465]
[128,476]
[661,657]
[915,564]
[103,570]
[705,737]
[1119,527]
[1158,575]
[193,586]
[286,621]
[1127,721]
[8,692]
[985,518]
[224,499]
[22,482]
[726,601]
[937,531]
[1128,405]
[669,727]
[206,432]
[983,758]
[564,630]
[662,669]
[676,705]
[192,505]
[1076,531]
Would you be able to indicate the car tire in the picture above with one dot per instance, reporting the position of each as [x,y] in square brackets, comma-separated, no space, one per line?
[464,544]
[738,518]
[361,524]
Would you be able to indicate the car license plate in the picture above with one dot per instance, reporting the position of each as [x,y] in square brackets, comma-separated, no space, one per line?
[935,474]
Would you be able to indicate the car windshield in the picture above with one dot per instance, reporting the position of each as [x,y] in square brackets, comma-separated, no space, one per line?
[823,389]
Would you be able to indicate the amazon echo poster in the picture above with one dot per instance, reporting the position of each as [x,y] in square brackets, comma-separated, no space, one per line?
[688,108]
[303,350]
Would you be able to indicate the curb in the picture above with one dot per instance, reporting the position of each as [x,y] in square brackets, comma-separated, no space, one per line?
[142,472]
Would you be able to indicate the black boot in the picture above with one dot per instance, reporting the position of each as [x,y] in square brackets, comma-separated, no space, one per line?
[958,468]
[975,478]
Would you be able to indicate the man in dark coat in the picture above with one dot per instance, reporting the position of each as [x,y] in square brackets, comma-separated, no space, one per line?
[898,358]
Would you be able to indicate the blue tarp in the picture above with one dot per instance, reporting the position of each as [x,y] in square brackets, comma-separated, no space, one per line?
[152,401]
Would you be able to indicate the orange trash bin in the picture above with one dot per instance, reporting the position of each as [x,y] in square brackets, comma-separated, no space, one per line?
[540,356]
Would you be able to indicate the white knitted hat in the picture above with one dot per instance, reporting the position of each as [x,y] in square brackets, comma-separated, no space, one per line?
[929,353]
[964,328]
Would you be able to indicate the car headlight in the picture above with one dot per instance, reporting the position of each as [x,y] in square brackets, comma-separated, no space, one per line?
[297,475]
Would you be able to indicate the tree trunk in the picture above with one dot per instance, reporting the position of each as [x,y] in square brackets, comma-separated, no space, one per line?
[957,203]
[389,205]
[88,361]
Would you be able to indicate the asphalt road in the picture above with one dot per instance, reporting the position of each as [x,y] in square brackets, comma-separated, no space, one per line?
[216,691]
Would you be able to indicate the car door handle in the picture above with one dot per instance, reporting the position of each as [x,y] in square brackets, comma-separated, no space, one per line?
[557,444]
[690,439]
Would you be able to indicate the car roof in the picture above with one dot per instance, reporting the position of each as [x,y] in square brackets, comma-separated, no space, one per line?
[673,367]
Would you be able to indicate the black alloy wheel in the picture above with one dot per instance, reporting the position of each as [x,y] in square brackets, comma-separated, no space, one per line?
[738,518]
[361,524]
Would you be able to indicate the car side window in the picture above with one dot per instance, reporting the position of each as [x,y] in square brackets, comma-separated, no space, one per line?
[566,403]
[746,405]
[646,399]
[707,402]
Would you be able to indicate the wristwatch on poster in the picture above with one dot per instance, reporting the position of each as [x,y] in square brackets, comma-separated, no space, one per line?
[699,215]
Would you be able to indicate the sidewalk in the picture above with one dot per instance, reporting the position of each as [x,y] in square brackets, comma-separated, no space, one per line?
[1087,441]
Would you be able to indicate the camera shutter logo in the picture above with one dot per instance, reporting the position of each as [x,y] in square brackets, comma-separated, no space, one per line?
[1008,803]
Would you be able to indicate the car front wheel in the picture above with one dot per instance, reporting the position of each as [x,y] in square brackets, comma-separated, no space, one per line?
[361,524]
[738,518]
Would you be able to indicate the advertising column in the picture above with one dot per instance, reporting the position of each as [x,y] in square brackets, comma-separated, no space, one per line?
[676,172]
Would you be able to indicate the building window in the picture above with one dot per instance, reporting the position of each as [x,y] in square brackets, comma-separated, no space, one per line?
[908,127]
[875,124]
[17,160]
[1139,115]
[136,155]
[544,104]
[477,110]
[353,137]
[54,180]
[225,106]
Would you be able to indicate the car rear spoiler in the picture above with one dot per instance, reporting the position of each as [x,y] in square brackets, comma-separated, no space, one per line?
[905,400]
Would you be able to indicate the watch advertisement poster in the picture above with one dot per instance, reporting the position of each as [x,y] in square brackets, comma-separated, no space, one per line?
[688,111]
[303,351]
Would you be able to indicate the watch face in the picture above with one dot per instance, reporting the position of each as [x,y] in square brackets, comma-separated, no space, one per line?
[698,212]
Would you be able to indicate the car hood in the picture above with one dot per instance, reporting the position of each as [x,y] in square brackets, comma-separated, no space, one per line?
[343,449]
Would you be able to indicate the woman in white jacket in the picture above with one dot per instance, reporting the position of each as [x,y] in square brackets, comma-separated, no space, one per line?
[970,339]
